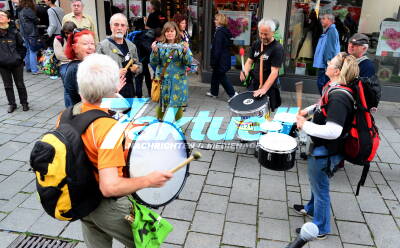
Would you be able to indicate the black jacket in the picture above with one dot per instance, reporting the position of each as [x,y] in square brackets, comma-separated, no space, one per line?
[28,21]
[12,49]
[220,50]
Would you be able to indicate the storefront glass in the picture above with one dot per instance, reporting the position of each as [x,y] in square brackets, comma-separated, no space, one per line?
[243,17]
[376,19]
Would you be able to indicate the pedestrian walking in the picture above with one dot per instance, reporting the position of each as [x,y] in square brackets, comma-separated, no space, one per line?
[328,47]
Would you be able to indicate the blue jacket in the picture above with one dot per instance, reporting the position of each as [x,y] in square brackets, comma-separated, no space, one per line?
[327,48]
[220,50]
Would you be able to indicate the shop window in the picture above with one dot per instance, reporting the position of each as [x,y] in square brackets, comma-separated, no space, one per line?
[243,17]
[378,22]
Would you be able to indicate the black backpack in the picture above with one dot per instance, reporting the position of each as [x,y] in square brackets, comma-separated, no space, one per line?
[65,177]
[372,90]
[143,41]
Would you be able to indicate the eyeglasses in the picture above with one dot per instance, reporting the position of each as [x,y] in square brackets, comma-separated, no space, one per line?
[329,62]
[78,30]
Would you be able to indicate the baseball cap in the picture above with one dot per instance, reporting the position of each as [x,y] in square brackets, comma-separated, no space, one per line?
[359,39]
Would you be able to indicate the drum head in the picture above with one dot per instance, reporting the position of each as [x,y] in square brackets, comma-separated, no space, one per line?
[160,146]
[271,126]
[246,103]
[285,117]
[278,142]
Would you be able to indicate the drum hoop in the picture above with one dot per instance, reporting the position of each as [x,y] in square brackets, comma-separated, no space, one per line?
[134,195]
[277,152]
[247,112]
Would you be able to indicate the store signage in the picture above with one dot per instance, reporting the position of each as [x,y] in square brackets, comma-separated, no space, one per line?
[389,38]
[239,23]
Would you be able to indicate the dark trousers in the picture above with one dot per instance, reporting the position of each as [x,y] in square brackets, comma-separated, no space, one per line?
[139,81]
[16,72]
[322,79]
[128,91]
[220,78]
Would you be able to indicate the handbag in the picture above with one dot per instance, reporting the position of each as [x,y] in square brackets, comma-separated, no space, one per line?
[156,84]
[36,43]
[149,229]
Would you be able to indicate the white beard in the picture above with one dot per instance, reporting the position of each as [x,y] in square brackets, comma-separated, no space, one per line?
[119,35]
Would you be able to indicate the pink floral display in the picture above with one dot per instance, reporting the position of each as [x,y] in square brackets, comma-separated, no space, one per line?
[135,8]
[237,26]
[120,6]
[392,37]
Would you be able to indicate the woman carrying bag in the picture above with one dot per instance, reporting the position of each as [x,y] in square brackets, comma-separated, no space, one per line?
[170,57]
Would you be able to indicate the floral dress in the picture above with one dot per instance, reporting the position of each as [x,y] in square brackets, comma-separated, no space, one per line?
[174,88]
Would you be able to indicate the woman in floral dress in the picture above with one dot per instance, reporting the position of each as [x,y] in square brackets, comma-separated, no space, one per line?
[174,87]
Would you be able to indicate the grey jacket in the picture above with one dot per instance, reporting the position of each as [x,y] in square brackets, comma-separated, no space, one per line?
[108,48]
[56,15]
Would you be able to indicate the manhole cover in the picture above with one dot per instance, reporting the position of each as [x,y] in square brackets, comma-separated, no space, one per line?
[34,241]
[395,121]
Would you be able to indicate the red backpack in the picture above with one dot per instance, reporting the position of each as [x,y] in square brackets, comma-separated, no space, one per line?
[362,140]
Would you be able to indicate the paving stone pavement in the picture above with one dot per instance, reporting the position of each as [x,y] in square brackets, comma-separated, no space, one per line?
[228,199]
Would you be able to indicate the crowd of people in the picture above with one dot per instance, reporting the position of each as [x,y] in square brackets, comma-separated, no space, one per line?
[91,71]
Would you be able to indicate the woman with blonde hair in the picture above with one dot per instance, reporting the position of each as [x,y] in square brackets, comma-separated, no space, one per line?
[175,56]
[221,57]
[330,123]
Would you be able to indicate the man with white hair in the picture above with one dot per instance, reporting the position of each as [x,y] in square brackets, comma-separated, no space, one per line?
[122,50]
[98,78]
[270,51]
[358,46]
[80,19]
[328,47]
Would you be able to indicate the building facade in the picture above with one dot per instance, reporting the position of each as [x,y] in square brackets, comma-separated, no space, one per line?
[298,31]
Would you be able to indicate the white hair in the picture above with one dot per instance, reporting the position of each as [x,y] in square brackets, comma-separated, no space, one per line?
[115,16]
[366,46]
[329,16]
[98,77]
[267,22]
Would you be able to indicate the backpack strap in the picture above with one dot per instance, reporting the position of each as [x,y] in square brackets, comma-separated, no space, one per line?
[363,177]
[336,88]
[81,121]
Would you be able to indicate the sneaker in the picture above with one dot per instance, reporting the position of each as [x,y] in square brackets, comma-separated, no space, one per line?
[36,73]
[210,95]
[300,209]
[25,107]
[319,236]
[53,77]
[230,99]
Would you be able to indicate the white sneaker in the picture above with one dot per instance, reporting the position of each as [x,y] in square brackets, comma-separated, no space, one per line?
[210,95]
[230,99]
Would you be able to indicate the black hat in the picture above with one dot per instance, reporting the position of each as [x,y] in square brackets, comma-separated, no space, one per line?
[359,39]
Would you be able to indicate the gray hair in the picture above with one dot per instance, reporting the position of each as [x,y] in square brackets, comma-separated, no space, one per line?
[98,77]
[366,48]
[267,22]
[113,17]
[329,16]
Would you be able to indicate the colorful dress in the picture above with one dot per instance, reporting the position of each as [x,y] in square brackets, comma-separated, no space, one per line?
[174,88]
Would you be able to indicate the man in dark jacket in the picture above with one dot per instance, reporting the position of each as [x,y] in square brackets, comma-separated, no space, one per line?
[12,52]
[221,58]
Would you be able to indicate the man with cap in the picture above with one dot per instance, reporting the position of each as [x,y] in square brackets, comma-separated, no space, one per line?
[358,46]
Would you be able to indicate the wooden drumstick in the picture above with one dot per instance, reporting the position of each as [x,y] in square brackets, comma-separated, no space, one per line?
[129,64]
[195,156]
[261,65]
[299,94]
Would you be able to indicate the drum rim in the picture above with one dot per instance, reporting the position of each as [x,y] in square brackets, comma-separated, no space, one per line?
[247,112]
[134,194]
[277,152]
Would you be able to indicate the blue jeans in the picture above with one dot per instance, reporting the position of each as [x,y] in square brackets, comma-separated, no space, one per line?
[30,59]
[322,79]
[220,78]
[67,98]
[319,204]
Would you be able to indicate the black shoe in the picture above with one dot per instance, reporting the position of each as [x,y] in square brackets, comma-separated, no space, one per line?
[11,108]
[25,107]
[300,210]
[319,236]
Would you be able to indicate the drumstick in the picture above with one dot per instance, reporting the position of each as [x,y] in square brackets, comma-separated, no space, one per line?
[129,64]
[299,94]
[195,156]
[261,65]
[241,52]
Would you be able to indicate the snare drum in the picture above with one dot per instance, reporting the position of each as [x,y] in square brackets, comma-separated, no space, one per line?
[288,121]
[277,151]
[270,126]
[246,106]
[158,146]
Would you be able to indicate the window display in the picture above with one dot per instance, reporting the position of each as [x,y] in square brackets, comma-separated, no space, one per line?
[351,16]
[243,16]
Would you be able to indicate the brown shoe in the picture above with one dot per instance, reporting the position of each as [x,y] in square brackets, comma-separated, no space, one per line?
[11,108]
[25,107]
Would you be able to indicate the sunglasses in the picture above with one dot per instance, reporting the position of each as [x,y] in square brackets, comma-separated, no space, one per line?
[78,30]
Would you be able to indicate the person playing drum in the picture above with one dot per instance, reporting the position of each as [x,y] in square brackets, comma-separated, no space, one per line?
[327,133]
[271,53]
[98,77]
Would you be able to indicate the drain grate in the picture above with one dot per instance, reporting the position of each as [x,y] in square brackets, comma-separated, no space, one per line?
[34,241]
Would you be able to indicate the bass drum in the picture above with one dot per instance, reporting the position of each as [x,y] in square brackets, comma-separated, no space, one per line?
[158,146]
